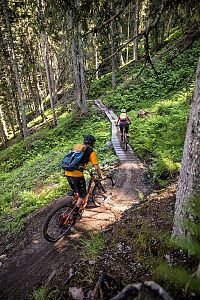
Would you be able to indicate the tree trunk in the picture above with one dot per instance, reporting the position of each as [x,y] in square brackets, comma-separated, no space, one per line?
[7,72]
[169,22]
[189,181]
[3,128]
[37,95]
[187,13]
[113,59]
[10,113]
[45,58]
[84,108]
[74,57]
[128,34]
[121,54]
[96,56]
[16,105]
[46,63]
[36,82]
[3,136]
[15,70]
[52,75]
[135,41]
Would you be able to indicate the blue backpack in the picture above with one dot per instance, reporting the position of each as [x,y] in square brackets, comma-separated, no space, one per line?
[72,160]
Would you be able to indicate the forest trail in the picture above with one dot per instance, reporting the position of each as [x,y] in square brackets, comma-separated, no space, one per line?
[32,262]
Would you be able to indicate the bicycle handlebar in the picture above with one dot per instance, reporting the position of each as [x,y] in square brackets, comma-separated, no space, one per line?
[93,173]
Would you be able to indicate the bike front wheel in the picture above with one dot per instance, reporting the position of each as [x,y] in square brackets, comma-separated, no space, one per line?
[102,191]
[58,223]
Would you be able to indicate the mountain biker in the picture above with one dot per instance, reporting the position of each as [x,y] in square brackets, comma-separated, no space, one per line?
[76,178]
[123,121]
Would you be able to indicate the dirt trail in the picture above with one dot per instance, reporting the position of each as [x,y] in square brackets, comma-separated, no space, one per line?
[33,262]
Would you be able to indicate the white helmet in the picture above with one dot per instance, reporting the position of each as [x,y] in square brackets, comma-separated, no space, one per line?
[123,110]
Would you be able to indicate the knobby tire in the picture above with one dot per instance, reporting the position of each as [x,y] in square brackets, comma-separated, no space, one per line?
[124,140]
[53,228]
[99,190]
[126,143]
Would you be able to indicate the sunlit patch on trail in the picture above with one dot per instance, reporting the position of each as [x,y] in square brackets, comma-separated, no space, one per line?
[35,241]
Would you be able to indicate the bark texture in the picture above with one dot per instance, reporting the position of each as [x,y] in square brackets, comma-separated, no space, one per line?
[136,22]
[15,69]
[84,108]
[113,58]
[189,181]
[73,48]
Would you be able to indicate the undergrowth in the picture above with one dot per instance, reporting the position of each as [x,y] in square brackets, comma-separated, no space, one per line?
[42,293]
[31,175]
[30,170]
[181,270]
[158,138]
[90,248]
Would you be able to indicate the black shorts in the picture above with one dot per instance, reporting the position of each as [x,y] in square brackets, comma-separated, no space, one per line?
[125,126]
[78,185]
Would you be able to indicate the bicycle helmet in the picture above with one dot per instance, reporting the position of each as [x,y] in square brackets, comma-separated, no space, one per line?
[123,110]
[89,139]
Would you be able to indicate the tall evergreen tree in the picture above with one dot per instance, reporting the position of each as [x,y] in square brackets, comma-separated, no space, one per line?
[189,182]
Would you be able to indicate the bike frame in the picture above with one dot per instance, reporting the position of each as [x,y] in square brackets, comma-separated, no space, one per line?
[124,138]
[76,197]
[61,219]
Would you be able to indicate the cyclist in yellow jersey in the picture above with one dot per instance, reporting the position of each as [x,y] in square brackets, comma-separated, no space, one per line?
[123,121]
[76,178]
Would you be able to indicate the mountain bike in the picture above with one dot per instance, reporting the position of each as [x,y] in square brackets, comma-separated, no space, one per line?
[60,220]
[124,139]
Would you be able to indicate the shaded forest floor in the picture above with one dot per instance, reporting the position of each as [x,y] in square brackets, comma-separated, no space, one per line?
[133,239]
[135,245]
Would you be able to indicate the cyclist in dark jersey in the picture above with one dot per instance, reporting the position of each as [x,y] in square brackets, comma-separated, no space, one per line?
[123,121]
[76,178]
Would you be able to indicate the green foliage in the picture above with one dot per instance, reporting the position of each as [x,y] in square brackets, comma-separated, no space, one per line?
[181,271]
[37,178]
[92,245]
[179,278]
[30,170]
[84,276]
[158,139]
[42,293]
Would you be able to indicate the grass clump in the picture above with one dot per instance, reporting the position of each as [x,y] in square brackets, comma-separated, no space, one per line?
[90,249]
[92,246]
[42,293]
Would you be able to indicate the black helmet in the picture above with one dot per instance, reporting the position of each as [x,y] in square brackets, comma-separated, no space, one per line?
[89,139]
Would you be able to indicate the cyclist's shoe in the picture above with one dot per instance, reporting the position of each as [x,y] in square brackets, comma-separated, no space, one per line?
[76,215]
[90,203]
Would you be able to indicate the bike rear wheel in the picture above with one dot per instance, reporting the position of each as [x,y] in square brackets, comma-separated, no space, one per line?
[125,142]
[102,191]
[58,223]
